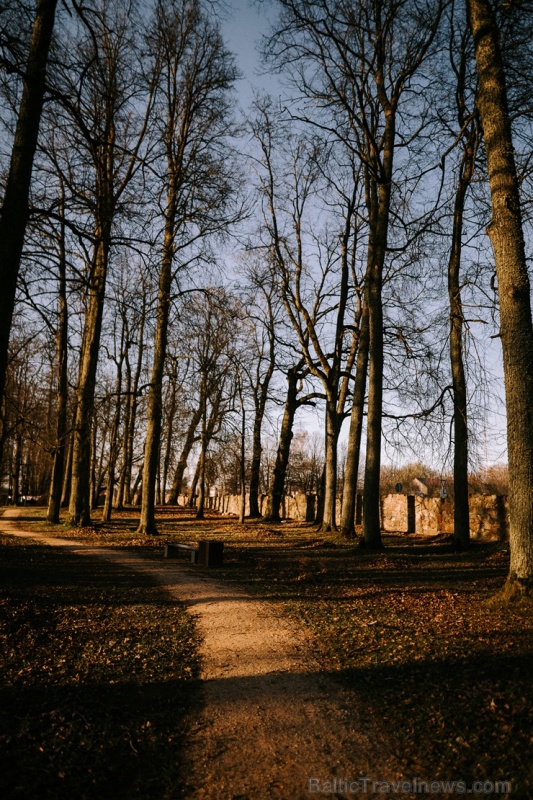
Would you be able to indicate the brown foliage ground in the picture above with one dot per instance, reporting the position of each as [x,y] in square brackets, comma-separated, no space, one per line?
[98,669]
[411,630]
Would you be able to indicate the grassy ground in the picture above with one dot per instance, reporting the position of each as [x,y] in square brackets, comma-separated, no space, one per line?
[409,629]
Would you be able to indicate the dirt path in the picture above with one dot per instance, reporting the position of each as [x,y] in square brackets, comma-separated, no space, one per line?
[273,725]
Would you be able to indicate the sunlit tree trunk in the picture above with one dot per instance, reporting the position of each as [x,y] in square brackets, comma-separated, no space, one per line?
[194,73]
[80,500]
[147,524]
[506,234]
[349,493]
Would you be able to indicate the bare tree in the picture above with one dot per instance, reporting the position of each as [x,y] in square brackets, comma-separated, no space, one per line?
[60,444]
[194,74]
[99,103]
[358,62]
[313,265]
[469,139]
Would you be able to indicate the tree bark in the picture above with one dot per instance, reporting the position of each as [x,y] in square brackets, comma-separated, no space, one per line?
[255,465]
[80,501]
[58,466]
[349,492]
[171,413]
[147,525]
[203,452]
[67,474]
[506,234]
[461,512]
[276,489]
[242,460]
[332,428]
[379,207]
[124,492]
[14,213]
[114,445]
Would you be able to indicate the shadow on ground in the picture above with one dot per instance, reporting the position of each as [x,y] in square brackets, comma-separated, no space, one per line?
[98,679]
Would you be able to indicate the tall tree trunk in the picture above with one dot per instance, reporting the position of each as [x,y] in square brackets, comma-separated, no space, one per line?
[242,460]
[114,446]
[277,486]
[15,475]
[261,396]
[461,512]
[378,200]
[328,521]
[200,506]
[147,525]
[255,465]
[124,493]
[371,491]
[171,413]
[137,482]
[67,474]
[127,453]
[506,234]
[80,501]
[56,483]
[97,463]
[319,509]
[349,492]
[14,212]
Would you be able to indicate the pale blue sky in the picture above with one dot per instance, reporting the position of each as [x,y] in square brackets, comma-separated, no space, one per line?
[246,23]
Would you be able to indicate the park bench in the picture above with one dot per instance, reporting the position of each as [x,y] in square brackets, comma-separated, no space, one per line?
[208,553]
[173,550]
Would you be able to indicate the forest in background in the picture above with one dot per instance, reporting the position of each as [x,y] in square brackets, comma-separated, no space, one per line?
[198,286]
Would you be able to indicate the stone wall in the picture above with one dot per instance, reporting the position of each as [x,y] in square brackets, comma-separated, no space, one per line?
[294,507]
[488,515]
[429,515]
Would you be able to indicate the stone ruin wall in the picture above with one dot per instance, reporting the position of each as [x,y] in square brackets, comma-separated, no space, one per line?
[488,513]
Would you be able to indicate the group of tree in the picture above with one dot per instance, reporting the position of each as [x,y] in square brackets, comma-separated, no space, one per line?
[177,283]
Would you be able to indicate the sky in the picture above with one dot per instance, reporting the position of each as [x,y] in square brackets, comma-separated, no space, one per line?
[246,23]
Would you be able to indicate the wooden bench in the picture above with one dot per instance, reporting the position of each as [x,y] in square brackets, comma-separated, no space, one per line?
[174,550]
[209,553]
